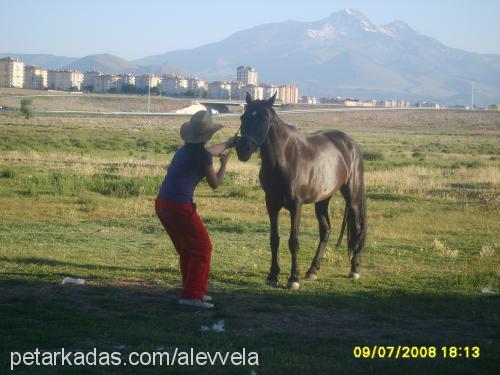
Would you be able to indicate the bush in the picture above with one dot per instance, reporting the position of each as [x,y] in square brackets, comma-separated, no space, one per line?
[418,155]
[57,183]
[86,204]
[373,155]
[7,173]
[471,164]
[27,107]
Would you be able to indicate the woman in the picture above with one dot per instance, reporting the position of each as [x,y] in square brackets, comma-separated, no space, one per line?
[177,212]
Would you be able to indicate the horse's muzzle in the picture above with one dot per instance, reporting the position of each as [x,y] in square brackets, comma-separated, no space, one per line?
[244,150]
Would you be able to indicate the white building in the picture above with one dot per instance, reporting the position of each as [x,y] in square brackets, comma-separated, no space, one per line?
[35,78]
[174,85]
[288,93]
[11,72]
[246,75]
[256,92]
[105,82]
[65,79]
[197,86]
[268,90]
[308,100]
[143,81]
[219,90]
[91,80]
[122,80]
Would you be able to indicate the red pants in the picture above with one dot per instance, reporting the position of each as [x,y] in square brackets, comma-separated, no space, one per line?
[190,239]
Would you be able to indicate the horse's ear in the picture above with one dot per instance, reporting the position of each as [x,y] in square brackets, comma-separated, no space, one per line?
[248,98]
[271,100]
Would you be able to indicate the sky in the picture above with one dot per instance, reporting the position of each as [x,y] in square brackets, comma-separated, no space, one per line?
[135,29]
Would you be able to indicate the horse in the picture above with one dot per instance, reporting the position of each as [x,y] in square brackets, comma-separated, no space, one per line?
[299,169]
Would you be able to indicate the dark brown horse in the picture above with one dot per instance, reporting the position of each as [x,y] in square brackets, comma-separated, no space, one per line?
[304,168]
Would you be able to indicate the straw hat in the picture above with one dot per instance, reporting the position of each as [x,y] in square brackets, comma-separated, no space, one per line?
[200,128]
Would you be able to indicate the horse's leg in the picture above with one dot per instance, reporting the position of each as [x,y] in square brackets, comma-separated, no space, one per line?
[293,244]
[321,209]
[273,211]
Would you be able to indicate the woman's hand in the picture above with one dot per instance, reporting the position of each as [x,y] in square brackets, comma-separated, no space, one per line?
[224,158]
[231,142]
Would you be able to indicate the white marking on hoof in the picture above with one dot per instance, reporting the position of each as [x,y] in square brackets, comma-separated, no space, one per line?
[311,276]
[272,283]
[293,285]
[353,275]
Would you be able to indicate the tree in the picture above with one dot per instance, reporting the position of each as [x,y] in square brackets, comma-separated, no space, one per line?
[27,107]
[155,90]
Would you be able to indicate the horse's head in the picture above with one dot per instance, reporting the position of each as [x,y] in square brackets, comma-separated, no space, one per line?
[255,125]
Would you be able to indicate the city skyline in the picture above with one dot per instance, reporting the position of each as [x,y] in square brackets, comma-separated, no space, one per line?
[138,29]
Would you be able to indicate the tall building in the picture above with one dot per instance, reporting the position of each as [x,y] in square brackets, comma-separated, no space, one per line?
[288,94]
[145,80]
[35,78]
[105,82]
[268,90]
[256,92]
[197,86]
[11,72]
[246,75]
[90,80]
[174,85]
[65,79]
[219,90]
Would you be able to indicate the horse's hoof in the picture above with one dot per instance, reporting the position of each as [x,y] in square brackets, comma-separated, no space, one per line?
[311,276]
[273,283]
[293,285]
[353,275]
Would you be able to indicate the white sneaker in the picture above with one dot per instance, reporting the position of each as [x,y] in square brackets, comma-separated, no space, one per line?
[207,298]
[195,302]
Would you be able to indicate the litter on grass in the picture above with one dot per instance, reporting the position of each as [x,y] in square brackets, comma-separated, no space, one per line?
[489,292]
[71,280]
[216,327]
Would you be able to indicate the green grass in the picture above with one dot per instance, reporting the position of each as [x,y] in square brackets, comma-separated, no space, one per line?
[77,199]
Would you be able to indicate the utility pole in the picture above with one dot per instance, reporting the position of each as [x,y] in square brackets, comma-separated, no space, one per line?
[149,89]
[472,96]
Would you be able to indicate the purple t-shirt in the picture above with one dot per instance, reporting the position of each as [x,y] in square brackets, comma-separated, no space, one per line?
[184,173]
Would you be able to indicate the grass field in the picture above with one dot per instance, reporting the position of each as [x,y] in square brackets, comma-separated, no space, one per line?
[63,101]
[77,195]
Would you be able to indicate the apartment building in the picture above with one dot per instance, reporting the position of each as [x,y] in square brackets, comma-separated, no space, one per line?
[197,86]
[105,82]
[219,90]
[246,75]
[90,80]
[35,78]
[11,72]
[65,79]
[143,81]
[268,90]
[288,94]
[256,92]
[125,80]
[174,85]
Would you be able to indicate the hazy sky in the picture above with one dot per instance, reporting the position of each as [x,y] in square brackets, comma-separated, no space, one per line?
[134,29]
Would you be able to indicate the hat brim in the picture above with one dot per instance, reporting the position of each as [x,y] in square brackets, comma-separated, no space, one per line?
[188,137]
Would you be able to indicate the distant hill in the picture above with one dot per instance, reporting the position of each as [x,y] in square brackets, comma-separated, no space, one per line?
[103,62]
[346,54]
[46,61]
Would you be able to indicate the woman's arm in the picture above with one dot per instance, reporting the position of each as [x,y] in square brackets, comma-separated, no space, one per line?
[215,179]
[218,149]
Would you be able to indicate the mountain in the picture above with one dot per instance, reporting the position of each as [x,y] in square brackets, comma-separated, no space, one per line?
[346,54]
[103,62]
[42,60]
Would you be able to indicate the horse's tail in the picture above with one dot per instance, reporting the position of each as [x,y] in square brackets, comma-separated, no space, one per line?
[355,211]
